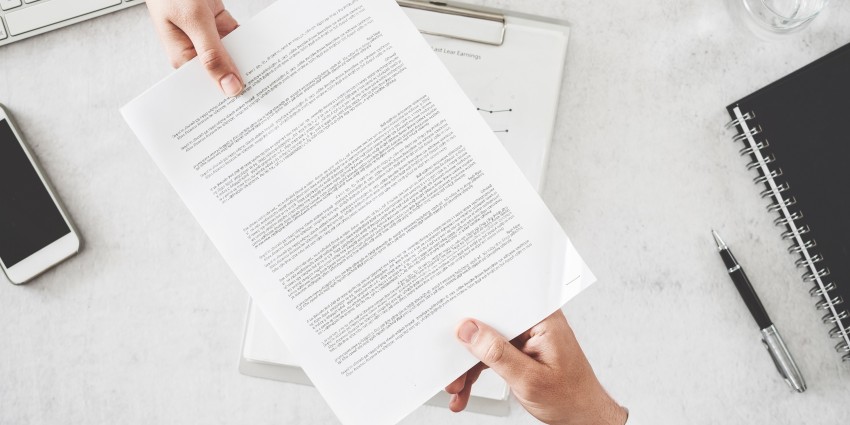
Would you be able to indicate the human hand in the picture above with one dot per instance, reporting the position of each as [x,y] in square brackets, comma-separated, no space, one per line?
[545,368]
[190,28]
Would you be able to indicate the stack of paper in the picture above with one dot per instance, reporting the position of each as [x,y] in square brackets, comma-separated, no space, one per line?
[360,198]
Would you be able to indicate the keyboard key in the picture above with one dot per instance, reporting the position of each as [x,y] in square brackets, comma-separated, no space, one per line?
[30,1]
[45,13]
[9,4]
[2,30]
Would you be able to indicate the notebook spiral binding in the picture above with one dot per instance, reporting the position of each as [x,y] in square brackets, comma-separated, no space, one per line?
[837,312]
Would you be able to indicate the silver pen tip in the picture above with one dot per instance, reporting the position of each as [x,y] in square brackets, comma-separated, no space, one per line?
[720,243]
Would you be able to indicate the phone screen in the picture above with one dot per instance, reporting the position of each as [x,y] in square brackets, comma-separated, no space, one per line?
[29,220]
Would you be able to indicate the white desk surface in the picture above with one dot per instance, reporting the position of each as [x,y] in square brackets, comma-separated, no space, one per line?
[145,325]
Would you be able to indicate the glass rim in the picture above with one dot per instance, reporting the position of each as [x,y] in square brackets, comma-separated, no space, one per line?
[795,17]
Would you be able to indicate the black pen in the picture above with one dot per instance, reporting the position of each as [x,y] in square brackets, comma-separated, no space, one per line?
[769,334]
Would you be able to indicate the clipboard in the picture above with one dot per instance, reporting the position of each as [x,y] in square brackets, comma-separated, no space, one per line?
[511,67]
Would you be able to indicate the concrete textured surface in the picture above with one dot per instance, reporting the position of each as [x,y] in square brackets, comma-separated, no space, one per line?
[145,325]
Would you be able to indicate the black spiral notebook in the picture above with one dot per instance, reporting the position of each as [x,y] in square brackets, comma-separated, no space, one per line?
[796,131]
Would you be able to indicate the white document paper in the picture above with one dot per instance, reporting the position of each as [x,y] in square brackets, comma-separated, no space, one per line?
[361,200]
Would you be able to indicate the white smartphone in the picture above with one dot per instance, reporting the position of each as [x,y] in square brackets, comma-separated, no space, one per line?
[35,232]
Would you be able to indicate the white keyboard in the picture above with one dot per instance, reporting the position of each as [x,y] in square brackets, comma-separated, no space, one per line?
[20,19]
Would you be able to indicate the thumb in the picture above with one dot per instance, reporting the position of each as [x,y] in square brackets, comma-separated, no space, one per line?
[495,351]
[212,54]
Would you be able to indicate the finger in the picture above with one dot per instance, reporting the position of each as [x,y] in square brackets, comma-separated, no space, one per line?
[177,44]
[522,338]
[475,373]
[215,59]
[460,400]
[555,320]
[467,379]
[540,345]
[495,351]
[225,23]
[457,385]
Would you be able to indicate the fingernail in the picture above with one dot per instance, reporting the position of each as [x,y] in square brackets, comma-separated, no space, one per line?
[230,85]
[467,331]
[454,398]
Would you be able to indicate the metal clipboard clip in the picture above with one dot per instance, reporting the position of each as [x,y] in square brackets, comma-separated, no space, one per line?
[491,29]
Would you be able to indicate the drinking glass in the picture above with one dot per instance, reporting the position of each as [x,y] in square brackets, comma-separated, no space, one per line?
[782,16]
